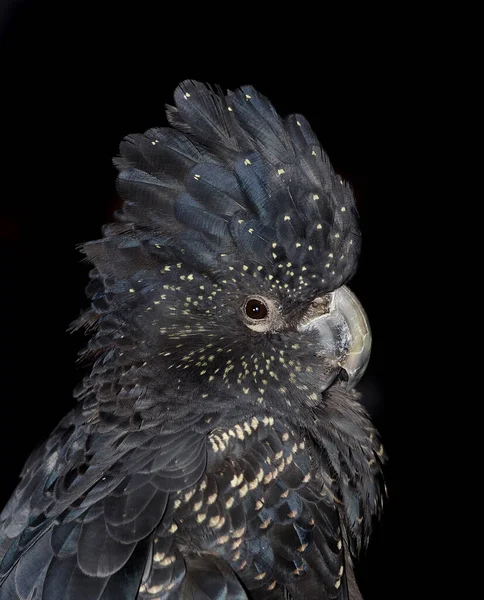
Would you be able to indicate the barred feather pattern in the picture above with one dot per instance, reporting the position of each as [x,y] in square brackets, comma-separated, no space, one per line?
[205,460]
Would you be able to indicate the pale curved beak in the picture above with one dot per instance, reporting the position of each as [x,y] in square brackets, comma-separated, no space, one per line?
[344,334]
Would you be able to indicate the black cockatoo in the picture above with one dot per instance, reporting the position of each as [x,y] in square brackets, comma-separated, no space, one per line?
[218,449]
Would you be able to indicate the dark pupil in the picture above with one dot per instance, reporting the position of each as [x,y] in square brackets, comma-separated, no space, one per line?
[256,309]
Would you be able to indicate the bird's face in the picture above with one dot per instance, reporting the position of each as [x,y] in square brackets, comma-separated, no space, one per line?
[238,336]
[224,280]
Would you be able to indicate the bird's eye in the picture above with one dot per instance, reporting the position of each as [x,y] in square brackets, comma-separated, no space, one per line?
[256,309]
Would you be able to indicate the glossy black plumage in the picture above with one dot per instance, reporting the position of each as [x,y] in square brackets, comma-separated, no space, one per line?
[202,460]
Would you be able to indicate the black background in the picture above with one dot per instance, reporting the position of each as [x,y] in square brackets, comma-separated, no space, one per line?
[74,81]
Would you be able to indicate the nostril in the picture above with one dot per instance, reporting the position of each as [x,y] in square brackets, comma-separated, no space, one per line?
[343,375]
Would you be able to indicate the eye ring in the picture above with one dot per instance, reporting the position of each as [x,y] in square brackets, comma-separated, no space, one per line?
[256,309]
